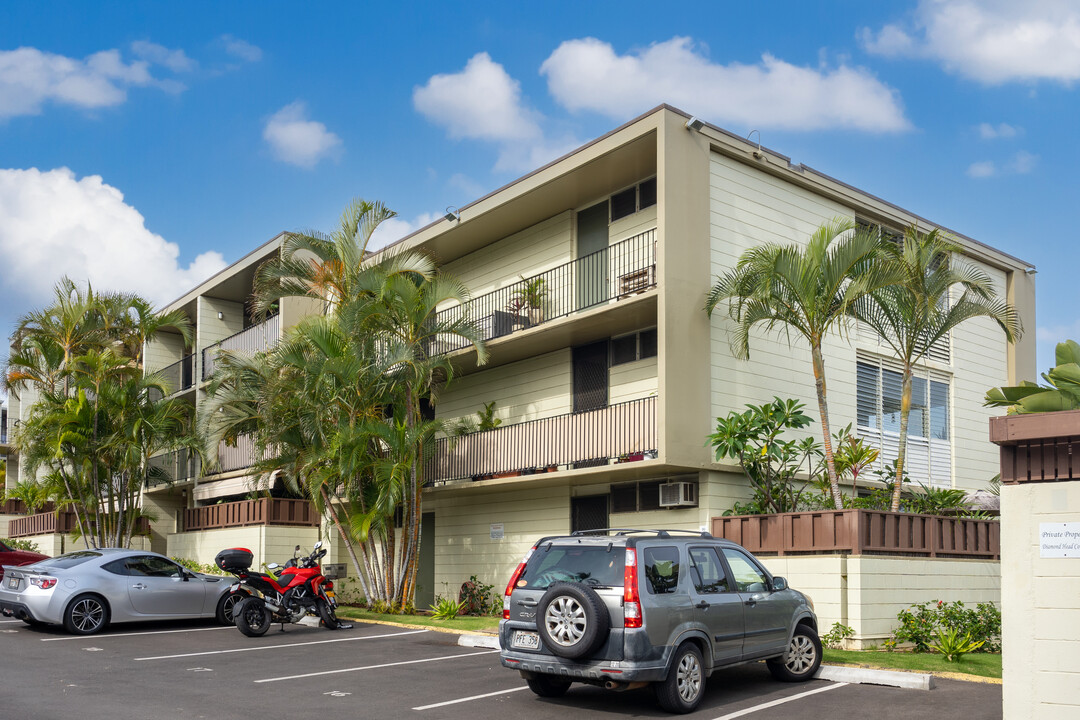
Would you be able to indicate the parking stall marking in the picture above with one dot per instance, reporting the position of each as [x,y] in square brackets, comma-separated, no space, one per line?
[774,703]
[136,634]
[376,667]
[474,697]
[275,647]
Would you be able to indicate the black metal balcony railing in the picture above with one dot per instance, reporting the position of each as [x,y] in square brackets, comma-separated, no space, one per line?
[626,430]
[180,375]
[180,466]
[618,271]
[247,342]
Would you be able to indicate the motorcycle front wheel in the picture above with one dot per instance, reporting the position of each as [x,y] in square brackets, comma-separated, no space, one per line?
[252,617]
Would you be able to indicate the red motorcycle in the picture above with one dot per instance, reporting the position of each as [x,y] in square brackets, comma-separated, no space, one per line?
[299,590]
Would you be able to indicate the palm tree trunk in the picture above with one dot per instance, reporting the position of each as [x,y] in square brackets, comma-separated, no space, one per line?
[901,455]
[823,408]
[347,541]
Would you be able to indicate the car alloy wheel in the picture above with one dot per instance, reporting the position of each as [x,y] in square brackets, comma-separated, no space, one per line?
[87,615]
[228,604]
[565,620]
[688,677]
[801,654]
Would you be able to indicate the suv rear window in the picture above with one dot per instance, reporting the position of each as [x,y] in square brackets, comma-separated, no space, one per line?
[593,566]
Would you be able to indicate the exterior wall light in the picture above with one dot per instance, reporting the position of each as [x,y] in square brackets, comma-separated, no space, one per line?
[452,214]
[695,123]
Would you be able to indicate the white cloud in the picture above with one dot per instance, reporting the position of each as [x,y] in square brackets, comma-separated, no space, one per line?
[587,74]
[54,224]
[483,102]
[175,60]
[29,78]
[991,41]
[241,48]
[396,228]
[1021,163]
[297,140]
[1001,130]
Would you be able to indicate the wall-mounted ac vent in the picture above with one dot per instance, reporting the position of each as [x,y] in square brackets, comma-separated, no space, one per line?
[678,494]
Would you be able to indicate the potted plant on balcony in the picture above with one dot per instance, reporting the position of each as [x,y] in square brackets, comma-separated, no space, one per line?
[527,300]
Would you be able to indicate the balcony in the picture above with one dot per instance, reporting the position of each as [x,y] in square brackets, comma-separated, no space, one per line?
[246,342]
[624,431]
[47,523]
[180,465]
[614,273]
[236,457]
[179,376]
[264,511]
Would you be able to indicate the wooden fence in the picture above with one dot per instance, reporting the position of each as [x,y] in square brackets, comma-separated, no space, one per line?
[264,511]
[862,532]
[46,523]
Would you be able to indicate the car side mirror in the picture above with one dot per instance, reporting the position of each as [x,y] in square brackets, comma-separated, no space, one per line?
[778,584]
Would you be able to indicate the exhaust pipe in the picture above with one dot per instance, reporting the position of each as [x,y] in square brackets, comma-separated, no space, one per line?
[622,687]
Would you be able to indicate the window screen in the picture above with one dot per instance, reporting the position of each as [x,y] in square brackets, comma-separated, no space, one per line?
[648,193]
[624,203]
[648,344]
[661,569]
[624,349]
[649,495]
[624,498]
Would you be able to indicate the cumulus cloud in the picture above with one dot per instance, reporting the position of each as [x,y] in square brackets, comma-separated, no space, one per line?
[999,131]
[483,102]
[55,224]
[241,49]
[1021,163]
[175,60]
[396,228]
[587,74]
[990,41]
[295,139]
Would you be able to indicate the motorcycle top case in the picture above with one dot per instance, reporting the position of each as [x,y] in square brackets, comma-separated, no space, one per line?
[233,559]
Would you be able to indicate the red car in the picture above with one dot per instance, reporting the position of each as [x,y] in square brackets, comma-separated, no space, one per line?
[11,556]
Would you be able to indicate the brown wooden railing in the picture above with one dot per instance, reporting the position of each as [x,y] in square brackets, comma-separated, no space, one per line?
[46,523]
[592,437]
[264,511]
[862,532]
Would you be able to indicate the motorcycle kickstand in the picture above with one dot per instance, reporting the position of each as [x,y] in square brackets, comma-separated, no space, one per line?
[282,628]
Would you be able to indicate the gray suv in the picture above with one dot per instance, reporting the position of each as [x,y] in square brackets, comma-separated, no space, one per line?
[622,609]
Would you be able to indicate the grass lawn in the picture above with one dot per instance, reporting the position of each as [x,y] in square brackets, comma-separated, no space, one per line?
[981,664]
[463,622]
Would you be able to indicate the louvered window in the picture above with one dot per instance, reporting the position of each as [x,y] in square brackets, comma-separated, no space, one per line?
[879,385]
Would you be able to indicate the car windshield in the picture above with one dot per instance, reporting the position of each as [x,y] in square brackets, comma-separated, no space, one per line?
[594,566]
[63,562]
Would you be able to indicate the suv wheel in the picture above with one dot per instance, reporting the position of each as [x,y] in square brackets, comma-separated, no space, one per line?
[684,686]
[802,659]
[572,620]
[547,686]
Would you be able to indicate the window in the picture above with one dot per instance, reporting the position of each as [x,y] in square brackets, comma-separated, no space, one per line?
[748,576]
[633,199]
[633,347]
[595,566]
[708,573]
[661,569]
[878,393]
[635,496]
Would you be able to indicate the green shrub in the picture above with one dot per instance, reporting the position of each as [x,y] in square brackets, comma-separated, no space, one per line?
[25,545]
[953,645]
[446,608]
[196,566]
[476,598]
[921,625]
[835,637]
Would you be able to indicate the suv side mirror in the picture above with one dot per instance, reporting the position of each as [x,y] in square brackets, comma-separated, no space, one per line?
[778,584]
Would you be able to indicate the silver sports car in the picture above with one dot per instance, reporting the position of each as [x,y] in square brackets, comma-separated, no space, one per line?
[86,590]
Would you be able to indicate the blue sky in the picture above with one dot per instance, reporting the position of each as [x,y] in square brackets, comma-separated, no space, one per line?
[145,145]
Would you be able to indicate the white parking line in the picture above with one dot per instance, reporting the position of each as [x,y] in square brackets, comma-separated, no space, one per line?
[474,697]
[276,647]
[135,634]
[375,667]
[774,703]
[10,621]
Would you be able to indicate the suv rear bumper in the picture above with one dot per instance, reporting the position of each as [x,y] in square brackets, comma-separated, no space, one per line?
[597,670]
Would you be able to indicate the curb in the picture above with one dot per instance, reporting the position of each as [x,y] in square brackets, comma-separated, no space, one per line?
[478,641]
[870,676]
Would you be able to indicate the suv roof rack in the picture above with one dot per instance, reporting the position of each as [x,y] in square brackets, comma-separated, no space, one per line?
[629,531]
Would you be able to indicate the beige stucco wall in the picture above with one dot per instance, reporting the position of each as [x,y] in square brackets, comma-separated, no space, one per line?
[1040,605]
[54,544]
[268,543]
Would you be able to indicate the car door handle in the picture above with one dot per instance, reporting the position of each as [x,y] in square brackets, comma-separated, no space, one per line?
[703,605]
[138,586]
[753,600]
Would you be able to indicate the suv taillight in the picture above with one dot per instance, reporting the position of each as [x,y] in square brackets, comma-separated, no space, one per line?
[631,601]
[513,582]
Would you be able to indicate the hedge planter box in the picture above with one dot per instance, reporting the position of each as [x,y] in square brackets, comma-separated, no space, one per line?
[862,532]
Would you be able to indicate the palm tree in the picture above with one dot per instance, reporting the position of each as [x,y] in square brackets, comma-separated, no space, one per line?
[914,313]
[806,289]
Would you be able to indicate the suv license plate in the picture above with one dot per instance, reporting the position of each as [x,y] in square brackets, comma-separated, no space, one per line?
[525,639]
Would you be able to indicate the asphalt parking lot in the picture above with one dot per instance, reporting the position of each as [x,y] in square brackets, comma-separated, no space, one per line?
[196,670]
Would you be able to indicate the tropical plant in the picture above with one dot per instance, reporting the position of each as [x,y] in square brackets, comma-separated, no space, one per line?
[921,624]
[1062,391]
[34,495]
[853,456]
[837,635]
[476,597]
[529,293]
[806,289]
[913,313]
[953,645]
[446,608]
[770,463]
[21,544]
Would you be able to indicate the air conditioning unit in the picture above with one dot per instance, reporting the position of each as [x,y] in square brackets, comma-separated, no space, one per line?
[678,494]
